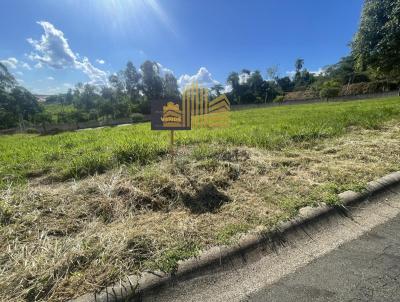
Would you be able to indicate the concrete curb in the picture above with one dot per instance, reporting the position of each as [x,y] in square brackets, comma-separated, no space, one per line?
[247,249]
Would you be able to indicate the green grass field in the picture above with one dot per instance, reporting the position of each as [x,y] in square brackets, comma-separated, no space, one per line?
[78,154]
[80,210]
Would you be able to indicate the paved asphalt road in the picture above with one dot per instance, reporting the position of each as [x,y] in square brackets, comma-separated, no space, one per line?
[365,269]
[340,258]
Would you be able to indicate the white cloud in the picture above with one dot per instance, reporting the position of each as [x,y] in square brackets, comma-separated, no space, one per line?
[50,78]
[162,71]
[26,65]
[291,73]
[203,77]
[320,71]
[244,77]
[100,61]
[228,88]
[67,85]
[13,63]
[96,75]
[10,62]
[53,50]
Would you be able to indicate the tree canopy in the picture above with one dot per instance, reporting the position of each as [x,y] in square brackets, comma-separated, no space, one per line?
[376,45]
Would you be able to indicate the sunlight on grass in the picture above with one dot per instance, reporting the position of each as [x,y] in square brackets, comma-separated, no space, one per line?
[78,154]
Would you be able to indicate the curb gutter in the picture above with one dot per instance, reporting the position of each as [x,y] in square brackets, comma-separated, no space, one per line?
[134,287]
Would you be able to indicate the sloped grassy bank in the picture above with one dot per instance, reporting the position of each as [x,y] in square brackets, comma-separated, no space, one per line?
[79,154]
[60,237]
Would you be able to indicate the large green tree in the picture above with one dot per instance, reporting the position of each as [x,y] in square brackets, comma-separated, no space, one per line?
[233,81]
[376,46]
[302,78]
[345,72]
[256,84]
[7,81]
[298,65]
[132,82]
[217,89]
[286,84]
[170,86]
[250,87]
[16,103]
[19,105]
[152,82]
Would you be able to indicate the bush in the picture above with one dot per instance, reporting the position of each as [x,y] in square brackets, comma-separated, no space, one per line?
[279,99]
[137,117]
[328,93]
[32,131]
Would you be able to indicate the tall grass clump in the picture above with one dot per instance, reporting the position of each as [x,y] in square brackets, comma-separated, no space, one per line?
[86,164]
[139,151]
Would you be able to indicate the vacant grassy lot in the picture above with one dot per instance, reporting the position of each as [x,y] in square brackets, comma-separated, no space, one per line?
[80,210]
[79,154]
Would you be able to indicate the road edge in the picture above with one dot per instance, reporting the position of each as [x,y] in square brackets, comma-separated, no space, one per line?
[134,288]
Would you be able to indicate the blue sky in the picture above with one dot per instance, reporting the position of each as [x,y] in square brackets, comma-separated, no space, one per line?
[51,45]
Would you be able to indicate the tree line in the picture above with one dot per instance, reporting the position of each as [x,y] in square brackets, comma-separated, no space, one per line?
[372,66]
[17,104]
[129,91]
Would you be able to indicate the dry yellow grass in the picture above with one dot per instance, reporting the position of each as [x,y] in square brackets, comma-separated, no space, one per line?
[60,240]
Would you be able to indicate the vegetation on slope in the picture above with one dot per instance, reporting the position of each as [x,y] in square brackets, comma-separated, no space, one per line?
[78,154]
[84,235]
[60,239]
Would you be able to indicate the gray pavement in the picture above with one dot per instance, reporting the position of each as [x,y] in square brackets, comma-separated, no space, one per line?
[365,269]
[354,258]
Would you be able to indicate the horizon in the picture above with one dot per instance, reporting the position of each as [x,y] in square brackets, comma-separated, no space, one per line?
[49,52]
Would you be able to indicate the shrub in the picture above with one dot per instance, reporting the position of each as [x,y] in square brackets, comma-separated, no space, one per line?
[279,99]
[32,131]
[137,117]
[328,93]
